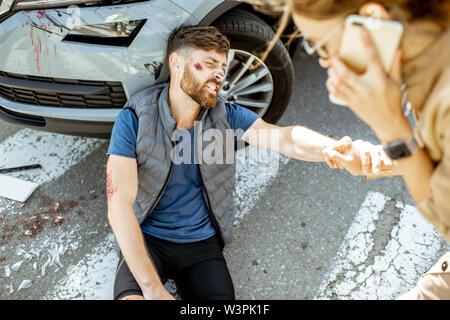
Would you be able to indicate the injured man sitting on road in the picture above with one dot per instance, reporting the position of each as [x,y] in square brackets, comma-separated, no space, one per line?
[170,207]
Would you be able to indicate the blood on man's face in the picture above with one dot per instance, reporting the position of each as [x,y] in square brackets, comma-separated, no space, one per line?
[219,75]
[211,64]
[198,66]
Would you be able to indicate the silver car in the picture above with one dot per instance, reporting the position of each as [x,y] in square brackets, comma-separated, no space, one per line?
[69,66]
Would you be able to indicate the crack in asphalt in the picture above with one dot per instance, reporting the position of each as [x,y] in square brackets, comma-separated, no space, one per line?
[371,235]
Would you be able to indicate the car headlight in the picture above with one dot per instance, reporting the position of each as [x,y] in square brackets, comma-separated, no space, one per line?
[112,33]
[5,6]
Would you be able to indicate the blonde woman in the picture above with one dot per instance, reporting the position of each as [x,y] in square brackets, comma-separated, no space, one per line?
[422,65]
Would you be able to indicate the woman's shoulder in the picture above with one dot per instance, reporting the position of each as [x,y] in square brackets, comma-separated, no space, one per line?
[434,121]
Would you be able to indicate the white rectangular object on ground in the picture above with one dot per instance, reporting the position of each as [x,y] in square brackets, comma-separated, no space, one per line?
[16,189]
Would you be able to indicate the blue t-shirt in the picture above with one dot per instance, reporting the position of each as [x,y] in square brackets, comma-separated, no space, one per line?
[181,215]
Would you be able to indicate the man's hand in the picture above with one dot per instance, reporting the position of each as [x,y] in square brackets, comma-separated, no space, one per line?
[357,157]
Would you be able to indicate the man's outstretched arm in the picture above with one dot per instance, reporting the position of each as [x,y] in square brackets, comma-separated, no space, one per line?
[121,189]
[294,141]
[301,143]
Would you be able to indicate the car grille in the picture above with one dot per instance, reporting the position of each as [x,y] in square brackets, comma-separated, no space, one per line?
[65,93]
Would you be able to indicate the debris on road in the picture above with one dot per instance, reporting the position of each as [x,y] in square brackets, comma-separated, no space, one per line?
[16,265]
[7,271]
[44,267]
[21,168]
[16,189]
[10,288]
[58,219]
[25,284]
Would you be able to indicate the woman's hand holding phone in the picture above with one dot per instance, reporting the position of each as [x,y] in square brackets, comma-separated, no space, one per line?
[375,96]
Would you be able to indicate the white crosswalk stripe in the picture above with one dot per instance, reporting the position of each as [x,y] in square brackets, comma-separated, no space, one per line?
[364,270]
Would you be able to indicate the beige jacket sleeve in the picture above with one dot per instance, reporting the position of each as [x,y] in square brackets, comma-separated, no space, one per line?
[436,206]
[434,127]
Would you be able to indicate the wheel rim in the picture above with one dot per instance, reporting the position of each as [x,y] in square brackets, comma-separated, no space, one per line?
[248,82]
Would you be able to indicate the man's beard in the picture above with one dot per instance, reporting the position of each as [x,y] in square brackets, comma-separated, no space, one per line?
[197,91]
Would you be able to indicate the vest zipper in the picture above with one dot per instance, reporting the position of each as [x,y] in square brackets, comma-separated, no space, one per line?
[208,204]
[160,193]
[213,219]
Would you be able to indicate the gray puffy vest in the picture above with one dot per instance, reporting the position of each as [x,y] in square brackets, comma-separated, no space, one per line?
[154,147]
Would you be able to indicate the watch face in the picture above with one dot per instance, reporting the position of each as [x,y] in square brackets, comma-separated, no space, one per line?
[397,150]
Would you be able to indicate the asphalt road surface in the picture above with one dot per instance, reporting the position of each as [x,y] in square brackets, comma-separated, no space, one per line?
[302,231]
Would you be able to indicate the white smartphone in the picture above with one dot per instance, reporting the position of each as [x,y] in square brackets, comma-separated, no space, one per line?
[385,34]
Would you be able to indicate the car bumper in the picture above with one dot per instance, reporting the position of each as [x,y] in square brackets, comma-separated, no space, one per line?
[72,121]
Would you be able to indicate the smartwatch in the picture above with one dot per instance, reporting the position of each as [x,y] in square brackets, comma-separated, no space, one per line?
[400,149]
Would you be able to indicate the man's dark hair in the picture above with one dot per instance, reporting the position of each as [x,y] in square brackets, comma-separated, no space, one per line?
[196,37]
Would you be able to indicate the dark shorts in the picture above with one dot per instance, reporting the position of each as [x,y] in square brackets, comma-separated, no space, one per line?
[198,269]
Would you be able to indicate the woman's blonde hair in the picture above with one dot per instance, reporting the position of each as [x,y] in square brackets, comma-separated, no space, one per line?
[437,11]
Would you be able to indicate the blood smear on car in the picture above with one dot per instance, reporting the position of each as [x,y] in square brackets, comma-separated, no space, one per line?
[16,189]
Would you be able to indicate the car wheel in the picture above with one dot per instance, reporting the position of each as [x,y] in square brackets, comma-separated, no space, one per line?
[264,87]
